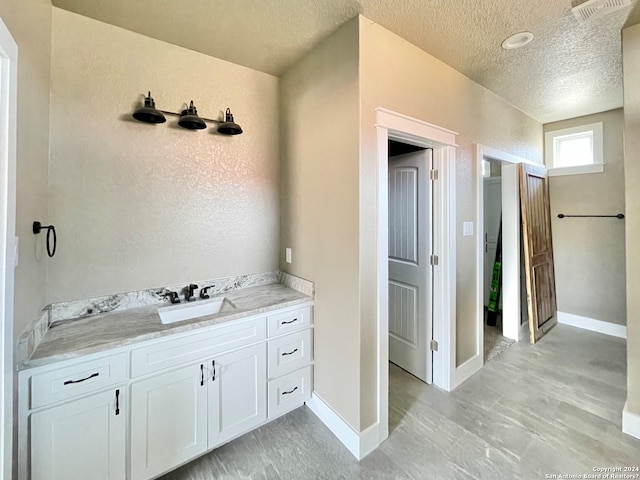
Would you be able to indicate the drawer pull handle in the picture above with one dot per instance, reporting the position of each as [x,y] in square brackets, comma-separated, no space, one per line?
[290,321]
[290,391]
[213,365]
[290,353]
[69,382]
[118,402]
[201,375]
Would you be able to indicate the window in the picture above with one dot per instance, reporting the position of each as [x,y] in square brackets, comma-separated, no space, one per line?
[574,150]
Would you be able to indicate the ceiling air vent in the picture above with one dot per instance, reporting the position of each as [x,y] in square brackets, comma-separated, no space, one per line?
[587,9]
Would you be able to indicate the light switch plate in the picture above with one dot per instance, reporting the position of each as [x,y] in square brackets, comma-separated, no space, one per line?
[287,255]
[467,229]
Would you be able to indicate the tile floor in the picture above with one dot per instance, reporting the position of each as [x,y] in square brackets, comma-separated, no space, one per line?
[549,409]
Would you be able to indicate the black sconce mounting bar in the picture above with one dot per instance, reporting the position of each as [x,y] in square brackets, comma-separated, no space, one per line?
[176,114]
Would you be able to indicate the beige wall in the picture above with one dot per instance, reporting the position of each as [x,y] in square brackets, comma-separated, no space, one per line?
[589,253]
[319,115]
[139,205]
[329,194]
[401,77]
[631,63]
[29,22]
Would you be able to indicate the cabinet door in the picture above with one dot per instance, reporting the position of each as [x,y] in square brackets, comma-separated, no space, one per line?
[80,439]
[168,420]
[239,402]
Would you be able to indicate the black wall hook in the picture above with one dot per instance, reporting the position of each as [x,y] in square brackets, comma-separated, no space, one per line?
[51,230]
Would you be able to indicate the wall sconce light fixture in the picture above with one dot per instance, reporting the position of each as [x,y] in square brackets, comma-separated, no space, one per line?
[189,118]
[148,113]
[229,127]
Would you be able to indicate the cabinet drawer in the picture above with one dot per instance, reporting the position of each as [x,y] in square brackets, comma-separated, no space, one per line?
[290,321]
[78,379]
[289,392]
[195,347]
[289,353]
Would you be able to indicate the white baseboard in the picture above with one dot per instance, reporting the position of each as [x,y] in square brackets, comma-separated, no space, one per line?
[359,444]
[630,422]
[468,368]
[592,324]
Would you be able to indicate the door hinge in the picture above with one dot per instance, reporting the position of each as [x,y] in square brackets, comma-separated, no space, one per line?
[433,259]
[434,345]
[433,174]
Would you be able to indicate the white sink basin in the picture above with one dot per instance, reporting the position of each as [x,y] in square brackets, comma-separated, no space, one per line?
[178,313]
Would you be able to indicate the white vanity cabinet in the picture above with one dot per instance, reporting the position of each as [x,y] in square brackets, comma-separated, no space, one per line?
[168,420]
[80,439]
[78,420]
[139,411]
[178,415]
[240,401]
[289,359]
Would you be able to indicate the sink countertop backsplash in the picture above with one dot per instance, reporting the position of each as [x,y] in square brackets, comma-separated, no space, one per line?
[68,329]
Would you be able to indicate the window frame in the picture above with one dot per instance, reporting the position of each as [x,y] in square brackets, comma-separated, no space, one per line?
[598,155]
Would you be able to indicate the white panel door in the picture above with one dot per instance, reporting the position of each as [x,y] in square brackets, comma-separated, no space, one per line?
[410,272]
[81,439]
[240,401]
[168,420]
[492,208]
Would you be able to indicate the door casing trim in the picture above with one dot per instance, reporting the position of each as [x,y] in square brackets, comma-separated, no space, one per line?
[400,127]
[8,122]
[510,245]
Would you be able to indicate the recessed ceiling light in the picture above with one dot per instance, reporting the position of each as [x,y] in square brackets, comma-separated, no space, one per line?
[517,40]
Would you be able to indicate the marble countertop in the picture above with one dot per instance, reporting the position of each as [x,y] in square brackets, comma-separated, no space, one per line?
[76,337]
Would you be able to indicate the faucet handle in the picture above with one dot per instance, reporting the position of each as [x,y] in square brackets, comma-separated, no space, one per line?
[173,296]
[204,292]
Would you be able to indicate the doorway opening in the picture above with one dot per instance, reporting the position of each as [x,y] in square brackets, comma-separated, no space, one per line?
[8,100]
[410,254]
[441,143]
[494,342]
[498,188]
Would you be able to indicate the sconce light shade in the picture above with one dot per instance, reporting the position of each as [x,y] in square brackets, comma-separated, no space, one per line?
[229,127]
[148,113]
[189,119]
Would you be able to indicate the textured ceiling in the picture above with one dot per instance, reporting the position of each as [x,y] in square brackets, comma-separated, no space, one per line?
[570,69]
[634,16]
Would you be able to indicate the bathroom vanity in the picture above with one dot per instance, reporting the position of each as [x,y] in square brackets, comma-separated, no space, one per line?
[137,398]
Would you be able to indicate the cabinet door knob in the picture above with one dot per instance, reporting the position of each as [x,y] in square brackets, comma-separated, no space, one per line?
[118,401]
[290,321]
[213,366]
[290,353]
[201,375]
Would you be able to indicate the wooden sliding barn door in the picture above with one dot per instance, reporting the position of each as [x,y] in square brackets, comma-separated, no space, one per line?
[538,250]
